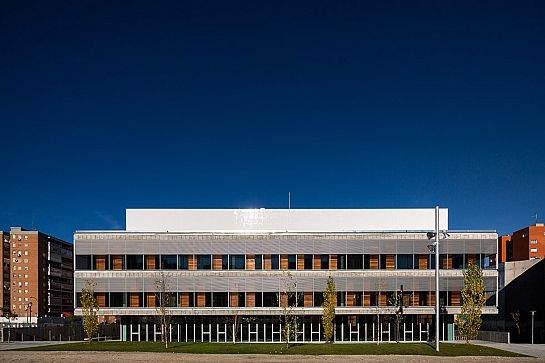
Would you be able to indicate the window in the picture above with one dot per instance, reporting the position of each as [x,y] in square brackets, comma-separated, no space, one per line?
[275,262]
[354,262]
[308,262]
[135,262]
[533,250]
[224,262]
[238,262]
[258,262]
[182,262]
[534,241]
[204,262]
[270,299]
[324,262]
[26,253]
[169,262]
[83,262]
[292,265]
[404,262]
[220,299]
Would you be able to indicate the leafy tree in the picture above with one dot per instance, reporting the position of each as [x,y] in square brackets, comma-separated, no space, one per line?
[328,306]
[162,294]
[89,307]
[473,300]
[516,319]
[288,301]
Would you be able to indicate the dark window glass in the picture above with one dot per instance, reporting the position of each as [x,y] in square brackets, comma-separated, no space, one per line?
[171,300]
[182,262]
[241,299]
[458,262]
[169,262]
[292,262]
[404,262]
[354,262]
[324,262]
[258,262]
[135,262]
[341,262]
[431,261]
[275,262]
[238,262]
[224,262]
[366,262]
[318,299]
[204,262]
[382,265]
[83,262]
[308,262]
[340,298]
[117,299]
[220,300]
[78,299]
[270,299]
[191,299]
[258,300]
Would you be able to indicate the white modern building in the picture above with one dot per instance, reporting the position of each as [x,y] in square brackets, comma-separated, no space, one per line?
[229,266]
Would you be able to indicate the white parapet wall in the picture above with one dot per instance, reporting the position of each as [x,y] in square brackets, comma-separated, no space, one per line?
[284,220]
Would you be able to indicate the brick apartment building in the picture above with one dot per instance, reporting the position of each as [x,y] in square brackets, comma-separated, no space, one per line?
[37,276]
[525,244]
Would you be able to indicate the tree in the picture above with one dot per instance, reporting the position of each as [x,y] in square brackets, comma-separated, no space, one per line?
[473,300]
[162,294]
[328,306]
[516,319]
[89,307]
[288,301]
[380,290]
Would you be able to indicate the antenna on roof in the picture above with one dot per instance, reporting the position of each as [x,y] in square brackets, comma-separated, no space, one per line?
[535,216]
[33,227]
[289,200]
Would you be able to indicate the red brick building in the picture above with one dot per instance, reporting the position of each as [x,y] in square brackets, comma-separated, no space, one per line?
[37,274]
[525,244]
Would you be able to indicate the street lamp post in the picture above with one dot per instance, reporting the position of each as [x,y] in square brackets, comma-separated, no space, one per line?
[533,311]
[435,248]
[437,278]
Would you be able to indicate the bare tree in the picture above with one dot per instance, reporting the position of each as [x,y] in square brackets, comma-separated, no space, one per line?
[288,301]
[164,314]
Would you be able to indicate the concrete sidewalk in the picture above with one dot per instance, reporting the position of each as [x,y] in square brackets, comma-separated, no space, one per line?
[31,344]
[533,350]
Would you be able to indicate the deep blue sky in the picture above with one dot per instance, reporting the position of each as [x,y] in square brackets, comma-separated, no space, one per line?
[231,104]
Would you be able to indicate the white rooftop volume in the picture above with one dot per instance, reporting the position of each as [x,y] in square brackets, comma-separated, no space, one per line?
[283,220]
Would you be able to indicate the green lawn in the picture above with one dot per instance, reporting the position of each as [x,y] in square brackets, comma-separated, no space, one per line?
[266,348]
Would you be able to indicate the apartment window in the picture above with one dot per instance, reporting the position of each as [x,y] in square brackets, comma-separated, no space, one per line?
[25,260]
[534,241]
[26,253]
[204,262]
[225,262]
[220,299]
[533,250]
[524,235]
[26,283]
[270,299]
[341,262]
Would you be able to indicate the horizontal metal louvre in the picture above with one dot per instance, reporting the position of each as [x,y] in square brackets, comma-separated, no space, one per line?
[354,246]
[305,247]
[405,246]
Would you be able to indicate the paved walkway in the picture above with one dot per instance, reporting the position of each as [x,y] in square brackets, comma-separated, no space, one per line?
[29,344]
[533,350]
